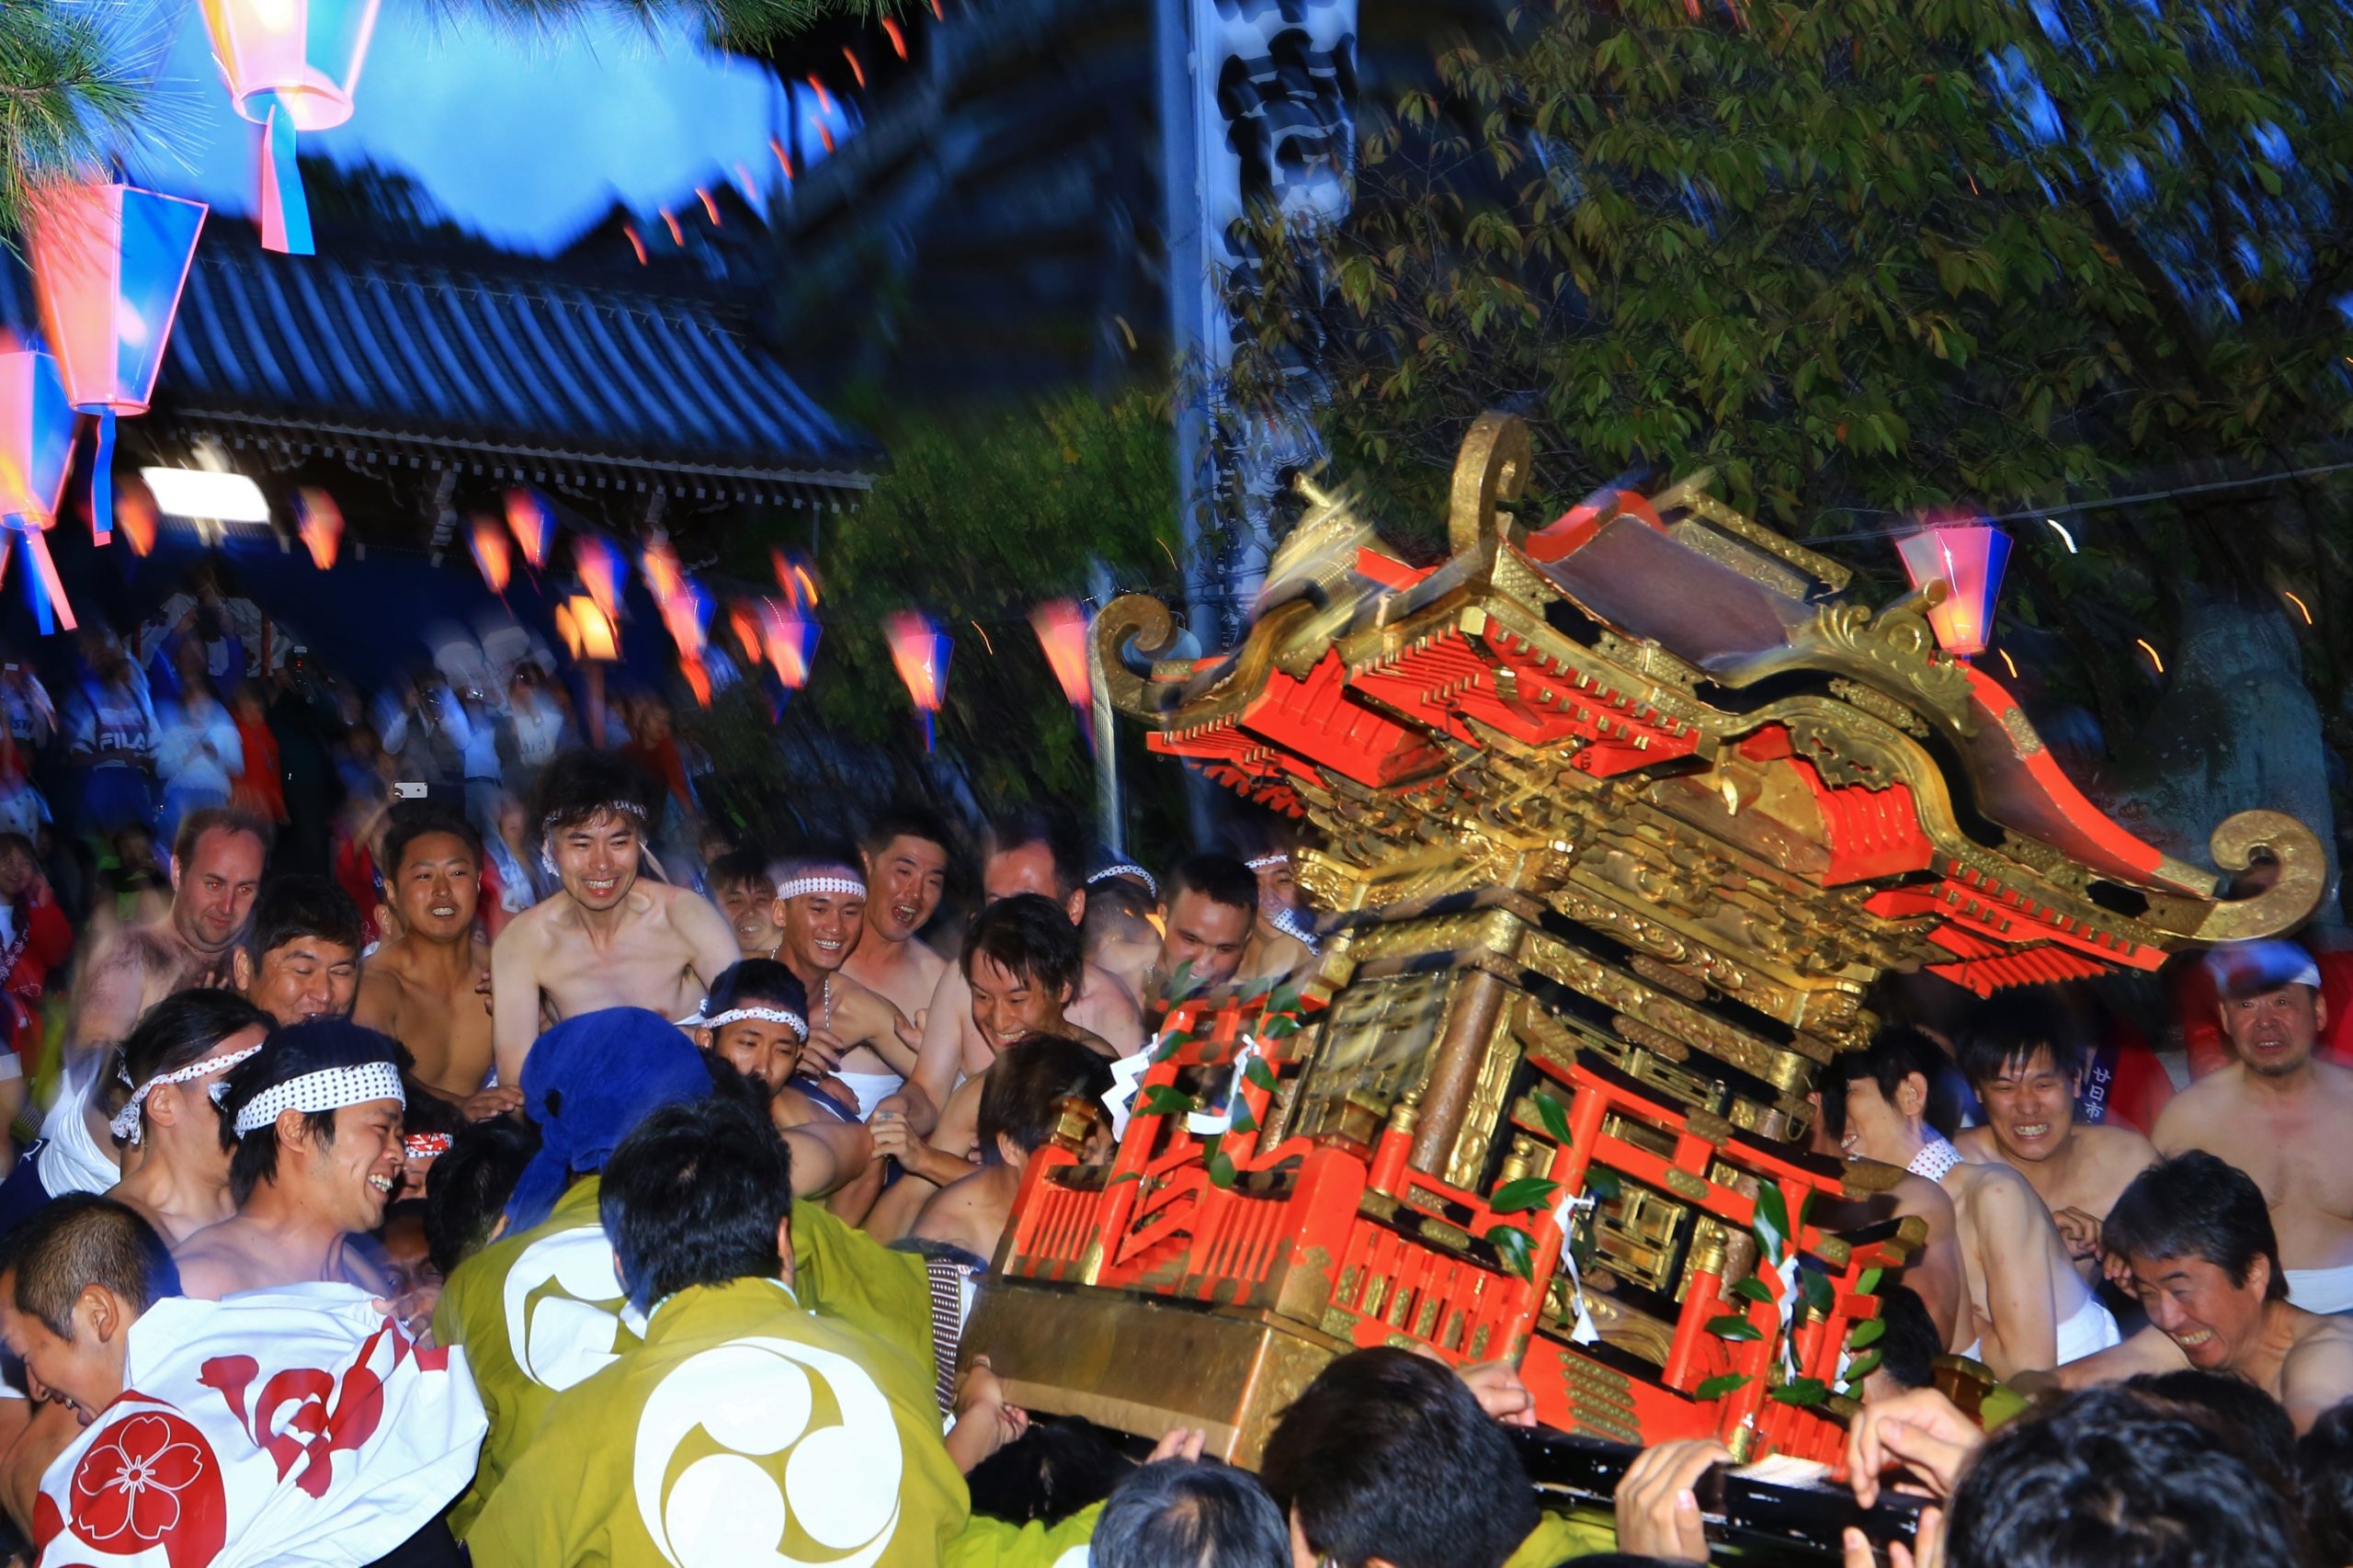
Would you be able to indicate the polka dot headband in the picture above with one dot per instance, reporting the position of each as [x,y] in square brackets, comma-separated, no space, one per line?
[829,878]
[128,1123]
[330,1088]
[1268,862]
[1125,870]
[790,1019]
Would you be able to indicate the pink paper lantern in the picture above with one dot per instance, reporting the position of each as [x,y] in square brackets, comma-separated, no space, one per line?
[790,640]
[109,264]
[492,555]
[919,650]
[291,65]
[1968,558]
[36,453]
[1062,632]
[319,524]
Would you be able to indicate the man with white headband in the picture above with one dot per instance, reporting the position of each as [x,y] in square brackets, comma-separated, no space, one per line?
[611,937]
[316,1118]
[1283,936]
[757,1020]
[855,1036]
[184,1047]
[2278,1112]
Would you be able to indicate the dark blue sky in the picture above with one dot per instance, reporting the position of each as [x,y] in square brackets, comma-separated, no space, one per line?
[524,137]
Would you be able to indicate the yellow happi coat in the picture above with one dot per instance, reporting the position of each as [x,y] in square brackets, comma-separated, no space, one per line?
[747,1429]
[542,1312]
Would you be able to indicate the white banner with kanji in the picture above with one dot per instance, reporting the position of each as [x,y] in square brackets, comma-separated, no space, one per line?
[297,1427]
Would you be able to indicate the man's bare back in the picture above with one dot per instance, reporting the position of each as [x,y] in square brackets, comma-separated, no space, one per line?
[2022,1285]
[409,990]
[2292,1144]
[243,1254]
[971,1212]
[666,947]
[136,968]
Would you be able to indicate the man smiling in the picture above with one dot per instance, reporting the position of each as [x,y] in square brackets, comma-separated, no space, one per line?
[855,1036]
[300,958]
[2205,1264]
[424,987]
[906,854]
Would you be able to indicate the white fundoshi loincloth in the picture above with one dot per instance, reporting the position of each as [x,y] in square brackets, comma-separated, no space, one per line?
[2322,1290]
[871,1089]
[2091,1329]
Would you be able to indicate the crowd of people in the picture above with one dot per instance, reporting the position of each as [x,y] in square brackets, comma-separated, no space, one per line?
[420,1175]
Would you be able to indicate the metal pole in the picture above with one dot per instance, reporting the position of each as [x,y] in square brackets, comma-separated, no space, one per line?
[1103,724]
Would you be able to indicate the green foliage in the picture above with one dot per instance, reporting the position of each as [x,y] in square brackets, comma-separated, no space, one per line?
[1523,1194]
[1867,1331]
[1516,1249]
[1166,1099]
[1732,1326]
[74,83]
[1717,1387]
[1554,1115]
[1804,1392]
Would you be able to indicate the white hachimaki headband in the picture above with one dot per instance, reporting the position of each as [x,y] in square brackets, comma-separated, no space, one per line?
[831,879]
[126,1122]
[610,807]
[1126,870]
[330,1088]
[697,1019]
[1268,862]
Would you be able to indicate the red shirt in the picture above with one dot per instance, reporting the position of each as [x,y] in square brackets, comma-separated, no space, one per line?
[42,943]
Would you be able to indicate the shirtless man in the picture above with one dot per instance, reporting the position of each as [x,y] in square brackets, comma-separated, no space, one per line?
[738,883]
[2279,1114]
[2196,1236]
[2027,1307]
[178,1167]
[216,870]
[1026,854]
[317,1122]
[755,1020]
[1019,1108]
[1121,932]
[1021,965]
[425,987]
[608,939]
[1212,902]
[301,956]
[2026,1063]
[906,854]
[1934,1273]
[1282,937]
[855,1036]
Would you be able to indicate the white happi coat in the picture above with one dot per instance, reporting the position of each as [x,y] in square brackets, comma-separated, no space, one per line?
[295,1426]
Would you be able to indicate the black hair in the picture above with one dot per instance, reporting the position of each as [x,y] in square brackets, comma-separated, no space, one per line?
[179,1030]
[757,980]
[223,819]
[466,1188]
[1030,937]
[2111,1477]
[579,786]
[2325,1478]
[2004,1031]
[1181,1514]
[1909,1348]
[739,869]
[1388,1455]
[696,1195]
[1022,1092]
[1013,828]
[292,1050]
[906,820]
[1115,906]
[18,842]
[2195,1205]
[412,820]
[1221,878]
[2251,1422]
[1894,1053]
[1258,834]
[1060,1465]
[80,1239]
[299,904]
[424,1111]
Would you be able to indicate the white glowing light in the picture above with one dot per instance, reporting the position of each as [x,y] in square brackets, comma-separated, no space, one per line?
[2064,536]
[199,492]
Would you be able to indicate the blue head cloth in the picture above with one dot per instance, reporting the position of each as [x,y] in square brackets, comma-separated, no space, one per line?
[588,1082]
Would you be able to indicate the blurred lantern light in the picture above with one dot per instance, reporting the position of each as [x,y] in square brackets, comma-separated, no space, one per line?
[599,565]
[492,556]
[134,513]
[793,578]
[36,452]
[919,650]
[664,577]
[1968,558]
[109,262]
[291,65]
[204,493]
[1062,632]
[588,632]
[687,615]
[746,628]
[791,642]
[318,523]
[532,524]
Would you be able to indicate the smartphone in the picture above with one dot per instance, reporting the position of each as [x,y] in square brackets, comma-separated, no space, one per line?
[407,791]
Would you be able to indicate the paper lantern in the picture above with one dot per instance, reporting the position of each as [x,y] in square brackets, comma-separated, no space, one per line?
[532,524]
[1062,632]
[1968,558]
[492,556]
[746,628]
[135,513]
[291,65]
[793,578]
[318,523]
[108,263]
[36,453]
[588,632]
[791,642]
[919,650]
[599,565]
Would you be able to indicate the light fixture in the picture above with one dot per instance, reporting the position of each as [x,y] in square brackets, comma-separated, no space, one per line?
[1967,557]
[201,492]
[2064,536]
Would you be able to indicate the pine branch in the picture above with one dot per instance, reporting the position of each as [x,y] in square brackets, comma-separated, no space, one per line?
[74,86]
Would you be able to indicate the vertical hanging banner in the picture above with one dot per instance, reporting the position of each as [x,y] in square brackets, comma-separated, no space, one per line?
[292,66]
[108,263]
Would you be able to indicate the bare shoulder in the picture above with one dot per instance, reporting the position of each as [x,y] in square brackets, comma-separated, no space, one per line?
[212,1263]
[528,932]
[1999,1194]
[2317,1372]
[1976,1144]
[1918,1194]
[2148,1351]
[2192,1113]
[378,1002]
[2336,1081]
[2118,1147]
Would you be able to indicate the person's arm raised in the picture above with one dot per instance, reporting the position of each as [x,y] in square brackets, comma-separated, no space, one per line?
[942,1051]
[515,996]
